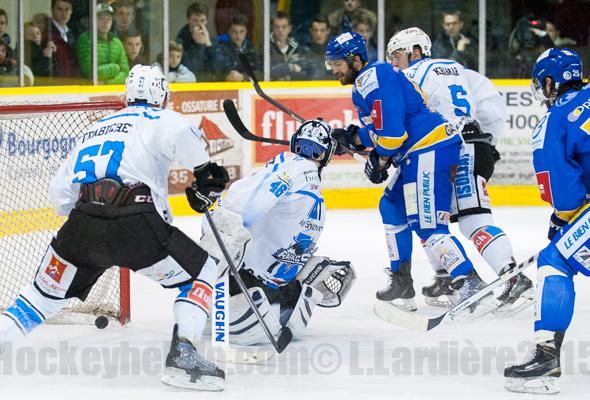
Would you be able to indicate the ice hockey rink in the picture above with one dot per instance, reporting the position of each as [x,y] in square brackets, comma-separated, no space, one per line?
[348,352]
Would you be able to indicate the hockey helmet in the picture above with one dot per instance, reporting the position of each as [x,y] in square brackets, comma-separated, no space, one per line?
[313,140]
[146,84]
[408,38]
[562,65]
[346,46]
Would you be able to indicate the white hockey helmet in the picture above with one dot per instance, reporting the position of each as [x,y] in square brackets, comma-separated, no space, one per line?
[146,84]
[313,140]
[408,38]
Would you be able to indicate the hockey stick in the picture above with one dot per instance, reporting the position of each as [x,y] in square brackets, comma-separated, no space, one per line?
[392,314]
[285,335]
[250,73]
[234,119]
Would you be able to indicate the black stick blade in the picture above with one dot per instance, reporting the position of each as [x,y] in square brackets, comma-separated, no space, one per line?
[234,119]
[284,339]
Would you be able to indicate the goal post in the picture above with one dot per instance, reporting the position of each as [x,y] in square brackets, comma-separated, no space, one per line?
[35,139]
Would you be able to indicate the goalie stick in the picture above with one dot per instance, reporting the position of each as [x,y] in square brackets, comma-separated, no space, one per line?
[410,320]
[285,335]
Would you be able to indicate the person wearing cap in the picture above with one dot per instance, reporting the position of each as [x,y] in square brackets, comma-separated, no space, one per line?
[113,66]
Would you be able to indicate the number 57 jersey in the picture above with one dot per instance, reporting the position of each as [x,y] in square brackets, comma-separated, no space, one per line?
[133,145]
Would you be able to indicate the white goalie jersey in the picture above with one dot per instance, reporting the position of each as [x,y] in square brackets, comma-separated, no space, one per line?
[283,209]
[133,145]
[457,92]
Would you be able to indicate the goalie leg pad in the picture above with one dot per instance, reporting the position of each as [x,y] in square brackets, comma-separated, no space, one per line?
[448,254]
[332,279]
[244,327]
[301,315]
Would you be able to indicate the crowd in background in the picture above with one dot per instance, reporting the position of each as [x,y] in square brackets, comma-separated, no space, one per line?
[57,46]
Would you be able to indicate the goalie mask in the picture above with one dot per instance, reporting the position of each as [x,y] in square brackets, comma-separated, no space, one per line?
[146,84]
[313,140]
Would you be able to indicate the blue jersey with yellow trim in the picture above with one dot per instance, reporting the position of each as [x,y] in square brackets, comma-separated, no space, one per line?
[561,152]
[395,116]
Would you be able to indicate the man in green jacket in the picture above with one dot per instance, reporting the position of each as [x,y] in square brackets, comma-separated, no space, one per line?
[113,67]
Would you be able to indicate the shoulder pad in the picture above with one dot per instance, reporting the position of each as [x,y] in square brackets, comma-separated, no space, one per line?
[367,82]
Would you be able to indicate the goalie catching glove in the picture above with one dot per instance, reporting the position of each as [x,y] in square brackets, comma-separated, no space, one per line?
[333,279]
[210,181]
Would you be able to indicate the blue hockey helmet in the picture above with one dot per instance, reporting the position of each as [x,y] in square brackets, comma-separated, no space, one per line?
[346,46]
[562,65]
[313,140]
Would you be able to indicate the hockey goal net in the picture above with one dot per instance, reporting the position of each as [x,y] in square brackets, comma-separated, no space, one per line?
[34,141]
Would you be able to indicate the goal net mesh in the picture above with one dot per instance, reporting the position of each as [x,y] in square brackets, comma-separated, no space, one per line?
[33,145]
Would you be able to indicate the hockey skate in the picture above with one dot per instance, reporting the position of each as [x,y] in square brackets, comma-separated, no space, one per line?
[539,374]
[468,286]
[518,293]
[440,293]
[400,289]
[187,369]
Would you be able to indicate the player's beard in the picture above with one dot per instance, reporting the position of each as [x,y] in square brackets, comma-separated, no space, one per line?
[349,77]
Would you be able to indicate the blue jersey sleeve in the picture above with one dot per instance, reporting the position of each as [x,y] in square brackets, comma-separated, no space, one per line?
[556,142]
[380,102]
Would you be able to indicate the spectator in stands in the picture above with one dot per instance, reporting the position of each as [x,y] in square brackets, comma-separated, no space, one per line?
[341,20]
[124,23]
[226,59]
[527,40]
[41,58]
[199,47]
[362,25]
[555,36]
[287,56]
[133,44]
[176,71]
[319,33]
[113,66]
[58,32]
[4,36]
[452,44]
[6,66]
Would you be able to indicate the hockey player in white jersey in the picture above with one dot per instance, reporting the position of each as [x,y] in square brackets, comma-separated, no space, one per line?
[469,101]
[271,222]
[113,188]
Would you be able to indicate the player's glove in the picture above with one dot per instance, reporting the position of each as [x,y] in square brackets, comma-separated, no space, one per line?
[555,225]
[345,139]
[210,181]
[374,170]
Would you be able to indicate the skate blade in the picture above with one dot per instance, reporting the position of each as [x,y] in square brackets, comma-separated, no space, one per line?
[540,385]
[180,379]
[407,305]
[443,301]
[526,299]
[483,307]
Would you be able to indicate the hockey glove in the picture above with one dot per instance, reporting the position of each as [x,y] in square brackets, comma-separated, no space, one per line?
[345,139]
[210,181]
[555,225]
[376,172]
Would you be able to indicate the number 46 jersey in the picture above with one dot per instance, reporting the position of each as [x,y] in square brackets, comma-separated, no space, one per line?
[133,145]
[457,92]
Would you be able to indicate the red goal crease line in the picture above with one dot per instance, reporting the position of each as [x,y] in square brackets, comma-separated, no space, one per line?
[23,222]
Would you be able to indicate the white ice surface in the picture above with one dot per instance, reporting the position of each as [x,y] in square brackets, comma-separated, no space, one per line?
[348,353]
